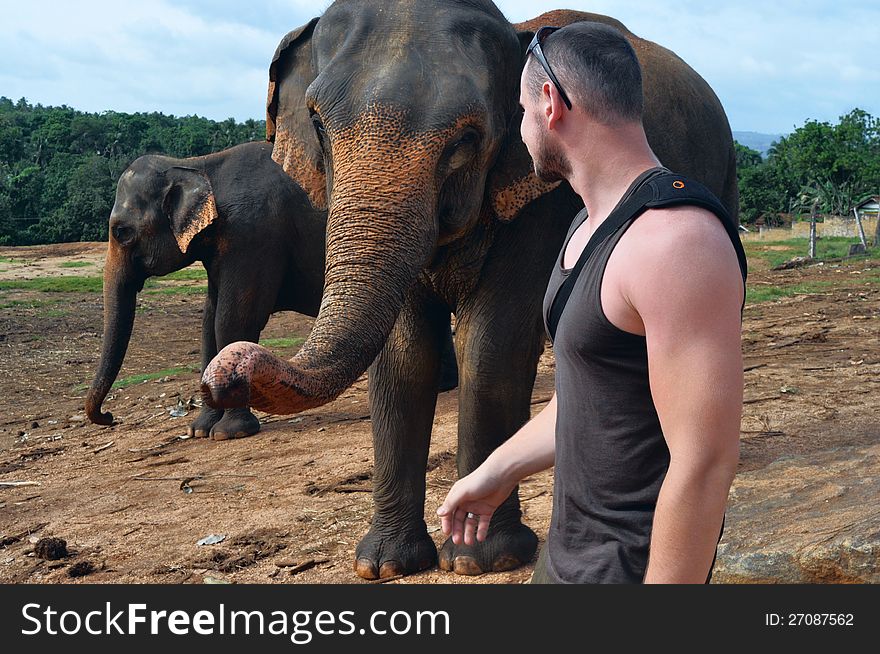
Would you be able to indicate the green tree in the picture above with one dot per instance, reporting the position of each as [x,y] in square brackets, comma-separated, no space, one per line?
[746,158]
[840,164]
[59,166]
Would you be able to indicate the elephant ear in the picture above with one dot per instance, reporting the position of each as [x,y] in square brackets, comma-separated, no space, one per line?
[512,181]
[189,204]
[288,123]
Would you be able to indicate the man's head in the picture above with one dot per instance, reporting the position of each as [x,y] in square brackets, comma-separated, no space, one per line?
[598,70]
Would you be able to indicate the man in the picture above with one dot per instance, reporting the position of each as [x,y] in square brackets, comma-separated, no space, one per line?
[644,425]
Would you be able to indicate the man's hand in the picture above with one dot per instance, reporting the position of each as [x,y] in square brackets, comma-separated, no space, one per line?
[470,503]
[480,493]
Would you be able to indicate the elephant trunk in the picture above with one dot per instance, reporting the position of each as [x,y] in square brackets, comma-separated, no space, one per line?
[381,231]
[120,295]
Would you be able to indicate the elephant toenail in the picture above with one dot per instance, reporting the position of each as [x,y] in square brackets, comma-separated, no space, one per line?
[366,569]
[466,565]
[505,562]
[390,569]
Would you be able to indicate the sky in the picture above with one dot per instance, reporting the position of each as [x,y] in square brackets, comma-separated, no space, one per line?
[773,63]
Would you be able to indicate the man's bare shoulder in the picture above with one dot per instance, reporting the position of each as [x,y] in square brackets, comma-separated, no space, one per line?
[682,251]
[684,227]
[676,235]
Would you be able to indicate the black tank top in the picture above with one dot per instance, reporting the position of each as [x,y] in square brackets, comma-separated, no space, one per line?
[611,456]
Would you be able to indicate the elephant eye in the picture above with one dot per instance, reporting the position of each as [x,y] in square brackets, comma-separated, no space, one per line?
[320,131]
[123,234]
[462,150]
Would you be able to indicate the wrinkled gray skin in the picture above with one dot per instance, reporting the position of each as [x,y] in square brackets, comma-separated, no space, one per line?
[402,119]
[259,238]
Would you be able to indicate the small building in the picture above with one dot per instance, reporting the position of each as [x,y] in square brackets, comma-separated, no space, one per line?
[869,207]
[868,211]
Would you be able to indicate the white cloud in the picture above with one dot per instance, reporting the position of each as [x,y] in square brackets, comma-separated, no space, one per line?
[156,55]
[773,64]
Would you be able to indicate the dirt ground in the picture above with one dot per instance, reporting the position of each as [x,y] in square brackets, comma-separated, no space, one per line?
[134,499]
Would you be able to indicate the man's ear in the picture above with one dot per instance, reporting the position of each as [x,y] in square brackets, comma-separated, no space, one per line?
[188,203]
[554,105]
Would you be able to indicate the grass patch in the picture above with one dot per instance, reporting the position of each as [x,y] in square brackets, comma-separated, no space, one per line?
[188,274]
[7,260]
[828,247]
[145,377]
[150,376]
[27,304]
[758,294]
[282,343]
[53,313]
[55,284]
[175,290]
[76,264]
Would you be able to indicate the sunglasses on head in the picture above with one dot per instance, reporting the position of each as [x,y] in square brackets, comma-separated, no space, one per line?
[535,49]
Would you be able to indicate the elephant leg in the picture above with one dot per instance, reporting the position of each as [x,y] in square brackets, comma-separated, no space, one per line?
[498,354]
[242,312]
[403,396]
[208,417]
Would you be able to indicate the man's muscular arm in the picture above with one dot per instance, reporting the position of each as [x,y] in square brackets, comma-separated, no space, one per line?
[687,290]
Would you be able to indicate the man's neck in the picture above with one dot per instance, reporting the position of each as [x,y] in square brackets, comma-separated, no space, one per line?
[605,167]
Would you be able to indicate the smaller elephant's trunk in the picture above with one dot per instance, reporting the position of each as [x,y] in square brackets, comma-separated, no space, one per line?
[120,296]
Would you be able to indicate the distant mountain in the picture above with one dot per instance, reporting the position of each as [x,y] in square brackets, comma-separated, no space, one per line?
[757,141]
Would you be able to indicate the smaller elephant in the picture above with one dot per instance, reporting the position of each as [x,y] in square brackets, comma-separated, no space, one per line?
[258,236]
[236,211]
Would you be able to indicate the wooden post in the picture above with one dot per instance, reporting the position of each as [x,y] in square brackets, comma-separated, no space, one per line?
[813,229]
[877,229]
[861,229]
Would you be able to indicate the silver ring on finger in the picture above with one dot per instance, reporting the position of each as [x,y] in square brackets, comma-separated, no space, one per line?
[472,516]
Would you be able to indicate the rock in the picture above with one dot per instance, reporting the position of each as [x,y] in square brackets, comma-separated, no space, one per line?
[856,248]
[51,549]
[805,519]
[81,569]
[797,262]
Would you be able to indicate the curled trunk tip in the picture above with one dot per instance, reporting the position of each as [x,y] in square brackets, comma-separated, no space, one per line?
[94,413]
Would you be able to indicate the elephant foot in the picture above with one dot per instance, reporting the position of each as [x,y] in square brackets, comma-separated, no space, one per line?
[204,422]
[379,556]
[236,423]
[504,549]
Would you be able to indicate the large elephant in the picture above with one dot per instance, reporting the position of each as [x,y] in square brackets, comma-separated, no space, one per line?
[261,242]
[402,119]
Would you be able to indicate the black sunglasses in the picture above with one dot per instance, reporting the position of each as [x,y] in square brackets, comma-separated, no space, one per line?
[535,49]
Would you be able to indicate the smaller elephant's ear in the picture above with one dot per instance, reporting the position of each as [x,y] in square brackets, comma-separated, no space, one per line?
[189,204]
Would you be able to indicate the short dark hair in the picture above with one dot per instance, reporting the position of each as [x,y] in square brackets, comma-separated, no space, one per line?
[597,67]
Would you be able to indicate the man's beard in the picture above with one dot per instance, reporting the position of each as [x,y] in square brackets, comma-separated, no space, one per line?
[551,164]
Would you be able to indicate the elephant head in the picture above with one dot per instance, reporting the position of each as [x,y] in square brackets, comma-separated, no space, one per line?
[402,119]
[391,115]
[160,207]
